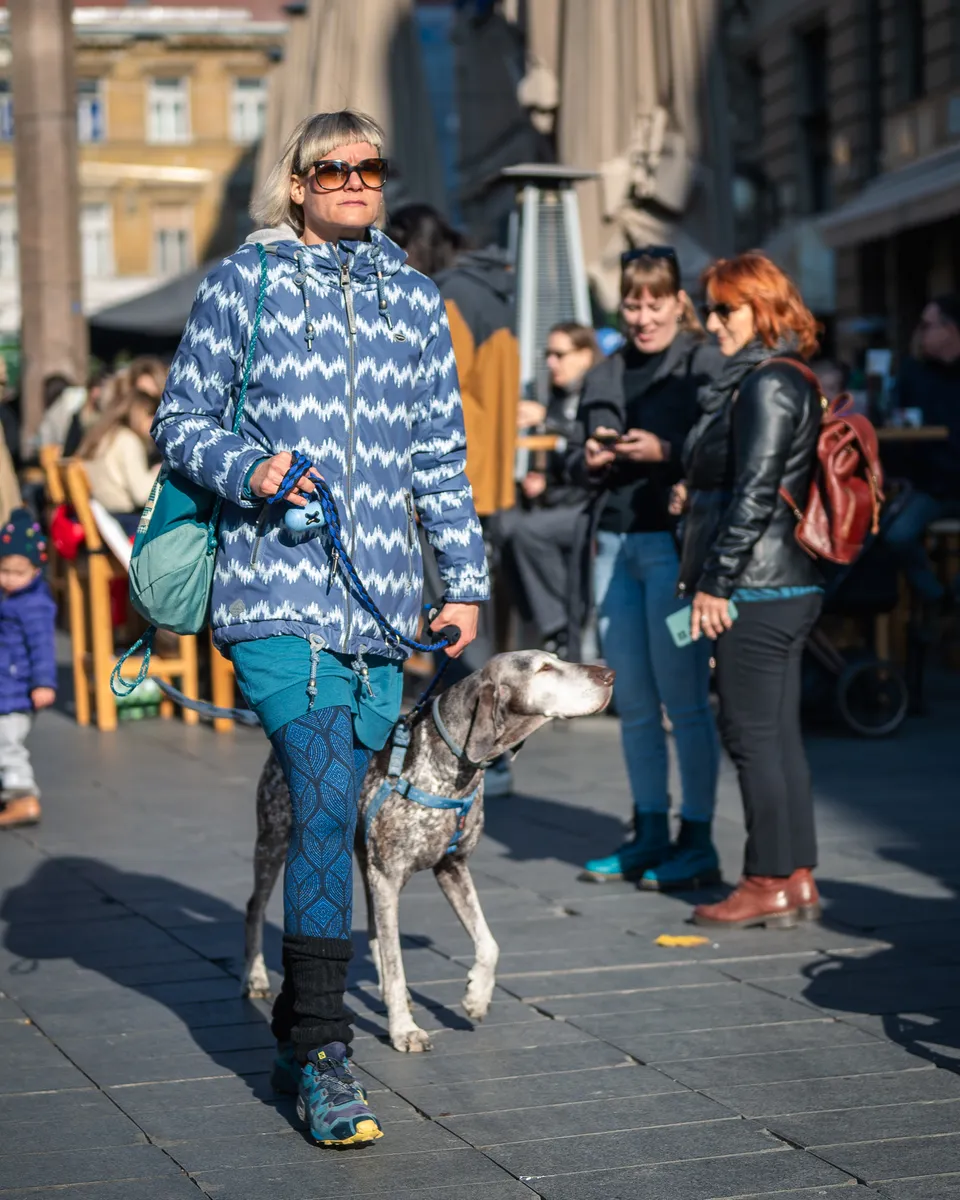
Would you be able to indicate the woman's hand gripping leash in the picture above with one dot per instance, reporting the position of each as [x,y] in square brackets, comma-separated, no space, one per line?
[293,478]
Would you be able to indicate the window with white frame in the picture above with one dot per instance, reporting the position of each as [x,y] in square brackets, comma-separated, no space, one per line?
[168,110]
[172,239]
[248,109]
[96,240]
[6,111]
[90,126]
[9,263]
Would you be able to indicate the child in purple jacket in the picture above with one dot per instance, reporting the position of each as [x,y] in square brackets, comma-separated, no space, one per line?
[28,672]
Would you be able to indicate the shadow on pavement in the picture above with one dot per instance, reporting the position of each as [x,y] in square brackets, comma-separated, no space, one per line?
[910,990]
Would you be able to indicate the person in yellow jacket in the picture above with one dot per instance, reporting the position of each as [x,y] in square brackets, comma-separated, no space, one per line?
[478,289]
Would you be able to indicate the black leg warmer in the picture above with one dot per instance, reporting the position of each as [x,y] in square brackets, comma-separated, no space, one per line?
[309,1010]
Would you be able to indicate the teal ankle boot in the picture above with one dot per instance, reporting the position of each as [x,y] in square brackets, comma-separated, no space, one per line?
[693,862]
[649,848]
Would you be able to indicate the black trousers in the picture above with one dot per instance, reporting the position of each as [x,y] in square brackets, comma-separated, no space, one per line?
[758,678]
[537,547]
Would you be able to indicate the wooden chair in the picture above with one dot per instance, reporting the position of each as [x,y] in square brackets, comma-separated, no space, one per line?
[92,669]
[74,587]
[222,686]
[49,457]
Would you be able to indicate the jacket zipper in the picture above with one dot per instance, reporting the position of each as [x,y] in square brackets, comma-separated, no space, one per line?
[351,422]
[411,521]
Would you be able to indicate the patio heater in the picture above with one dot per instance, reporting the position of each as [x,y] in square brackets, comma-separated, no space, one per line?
[546,245]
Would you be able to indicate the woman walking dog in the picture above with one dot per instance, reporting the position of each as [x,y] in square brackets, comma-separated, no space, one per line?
[353,369]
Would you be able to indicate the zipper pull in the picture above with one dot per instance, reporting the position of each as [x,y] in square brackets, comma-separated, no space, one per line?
[408,501]
[348,297]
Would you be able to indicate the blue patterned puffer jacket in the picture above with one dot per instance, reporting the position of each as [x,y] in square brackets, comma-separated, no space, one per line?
[353,367]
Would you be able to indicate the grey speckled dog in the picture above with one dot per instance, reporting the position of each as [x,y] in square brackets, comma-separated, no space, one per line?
[487,714]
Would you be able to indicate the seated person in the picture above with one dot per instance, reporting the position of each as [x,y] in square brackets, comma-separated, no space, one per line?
[538,535]
[931,382]
[145,374]
[117,452]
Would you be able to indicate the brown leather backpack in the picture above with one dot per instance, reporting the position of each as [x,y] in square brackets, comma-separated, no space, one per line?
[843,504]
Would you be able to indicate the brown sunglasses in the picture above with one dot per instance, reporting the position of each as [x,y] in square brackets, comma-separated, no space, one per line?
[332,174]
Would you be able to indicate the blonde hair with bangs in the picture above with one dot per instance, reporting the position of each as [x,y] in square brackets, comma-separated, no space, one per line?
[312,140]
[659,277]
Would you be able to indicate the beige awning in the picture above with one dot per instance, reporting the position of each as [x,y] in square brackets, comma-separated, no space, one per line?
[918,194]
[362,54]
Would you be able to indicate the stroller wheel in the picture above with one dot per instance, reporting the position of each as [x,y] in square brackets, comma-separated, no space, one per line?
[872,698]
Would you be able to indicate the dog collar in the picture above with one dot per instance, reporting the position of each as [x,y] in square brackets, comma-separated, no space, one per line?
[457,750]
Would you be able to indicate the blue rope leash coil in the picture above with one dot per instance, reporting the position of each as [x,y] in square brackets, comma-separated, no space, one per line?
[341,562]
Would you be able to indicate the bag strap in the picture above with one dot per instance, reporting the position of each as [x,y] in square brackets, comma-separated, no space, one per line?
[244,384]
[814,382]
[119,684]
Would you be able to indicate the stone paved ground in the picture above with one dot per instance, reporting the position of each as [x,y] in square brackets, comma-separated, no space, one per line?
[820,1062]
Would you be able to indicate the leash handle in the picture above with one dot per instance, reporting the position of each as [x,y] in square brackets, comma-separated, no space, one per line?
[342,562]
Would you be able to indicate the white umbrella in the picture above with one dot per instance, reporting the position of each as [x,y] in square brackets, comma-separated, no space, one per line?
[362,54]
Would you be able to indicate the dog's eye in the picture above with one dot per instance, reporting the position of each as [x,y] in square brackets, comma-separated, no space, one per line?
[547,666]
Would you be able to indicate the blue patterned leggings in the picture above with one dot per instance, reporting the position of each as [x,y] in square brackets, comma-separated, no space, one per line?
[324,770]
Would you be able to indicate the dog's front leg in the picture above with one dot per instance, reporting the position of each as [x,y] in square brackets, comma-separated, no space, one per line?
[405,1035]
[455,880]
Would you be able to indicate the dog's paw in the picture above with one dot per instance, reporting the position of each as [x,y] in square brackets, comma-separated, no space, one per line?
[475,1007]
[256,981]
[411,1041]
[479,993]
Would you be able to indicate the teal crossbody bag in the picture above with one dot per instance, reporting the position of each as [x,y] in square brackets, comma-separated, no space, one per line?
[172,562]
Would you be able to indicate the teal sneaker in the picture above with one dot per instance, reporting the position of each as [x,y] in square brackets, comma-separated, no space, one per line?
[285,1075]
[331,1103]
[649,848]
[693,862]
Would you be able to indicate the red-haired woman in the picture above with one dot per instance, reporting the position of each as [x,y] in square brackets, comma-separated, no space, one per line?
[757,432]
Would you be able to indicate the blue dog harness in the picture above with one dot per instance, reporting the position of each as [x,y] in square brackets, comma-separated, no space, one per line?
[403,787]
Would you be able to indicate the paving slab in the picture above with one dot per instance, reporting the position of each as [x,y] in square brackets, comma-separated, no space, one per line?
[777,1037]
[357,1174]
[64,1120]
[87,1166]
[585,1117]
[930,1187]
[706,1179]
[896,1158]
[631,1147]
[529,1091]
[174,1188]
[879,1123]
[781,1065]
[838,1093]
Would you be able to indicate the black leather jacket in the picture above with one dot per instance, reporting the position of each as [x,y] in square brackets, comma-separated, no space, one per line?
[738,532]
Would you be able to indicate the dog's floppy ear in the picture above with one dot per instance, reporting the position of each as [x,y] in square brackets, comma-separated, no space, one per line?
[487,726]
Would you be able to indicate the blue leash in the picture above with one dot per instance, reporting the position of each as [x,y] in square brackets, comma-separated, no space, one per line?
[340,559]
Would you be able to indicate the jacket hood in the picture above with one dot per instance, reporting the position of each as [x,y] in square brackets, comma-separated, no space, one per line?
[369,258]
[490,268]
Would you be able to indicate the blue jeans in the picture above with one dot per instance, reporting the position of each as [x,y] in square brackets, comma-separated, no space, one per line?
[905,539]
[635,580]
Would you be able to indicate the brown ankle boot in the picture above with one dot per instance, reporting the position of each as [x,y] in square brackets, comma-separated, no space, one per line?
[24,810]
[803,890]
[757,900]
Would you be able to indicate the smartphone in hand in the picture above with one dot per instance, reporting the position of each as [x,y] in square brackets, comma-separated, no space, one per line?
[679,624]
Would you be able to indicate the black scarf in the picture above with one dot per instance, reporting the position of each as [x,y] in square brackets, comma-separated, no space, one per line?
[720,391]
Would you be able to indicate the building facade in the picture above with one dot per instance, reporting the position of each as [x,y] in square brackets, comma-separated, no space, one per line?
[847,151]
[170,103]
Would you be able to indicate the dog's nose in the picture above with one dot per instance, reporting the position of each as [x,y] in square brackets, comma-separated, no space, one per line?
[602,676]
